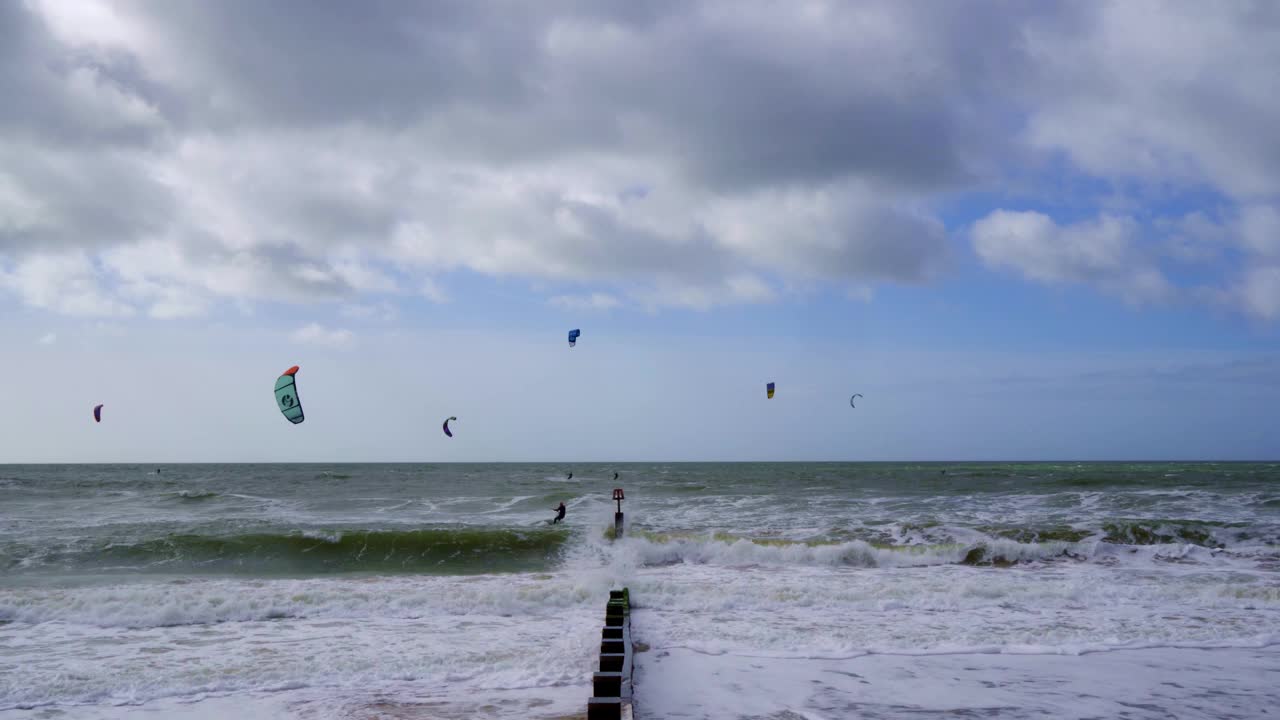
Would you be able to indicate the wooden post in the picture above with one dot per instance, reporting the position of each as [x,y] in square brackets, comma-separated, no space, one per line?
[618,496]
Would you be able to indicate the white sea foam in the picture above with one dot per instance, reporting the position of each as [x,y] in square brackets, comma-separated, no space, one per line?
[1133,683]
[198,602]
[447,639]
[137,642]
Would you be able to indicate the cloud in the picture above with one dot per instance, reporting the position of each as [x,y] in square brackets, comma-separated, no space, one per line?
[835,232]
[383,311]
[1243,244]
[594,301]
[1161,92]
[224,153]
[860,294]
[202,156]
[432,291]
[67,283]
[1102,252]
[1034,244]
[1195,238]
[317,334]
[1260,230]
[48,339]
[1259,292]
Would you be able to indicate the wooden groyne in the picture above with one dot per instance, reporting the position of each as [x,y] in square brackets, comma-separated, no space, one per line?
[611,684]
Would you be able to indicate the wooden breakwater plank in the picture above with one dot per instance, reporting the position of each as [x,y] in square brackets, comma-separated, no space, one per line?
[607,684]
[599,708]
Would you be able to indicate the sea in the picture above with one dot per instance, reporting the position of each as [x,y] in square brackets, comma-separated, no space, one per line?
[788,591]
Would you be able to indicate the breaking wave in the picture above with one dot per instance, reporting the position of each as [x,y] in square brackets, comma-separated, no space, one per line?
[451,550]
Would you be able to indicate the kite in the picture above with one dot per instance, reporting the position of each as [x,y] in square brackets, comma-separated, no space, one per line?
[447,431]
[855,395]
[97,413]
[769,390]
[287,396]
[573,337]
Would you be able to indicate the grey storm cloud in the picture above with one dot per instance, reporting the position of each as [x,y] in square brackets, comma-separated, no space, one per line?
[197,150]
[732,101]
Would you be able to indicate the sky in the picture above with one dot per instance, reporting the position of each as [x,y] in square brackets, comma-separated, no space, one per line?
[1020,230]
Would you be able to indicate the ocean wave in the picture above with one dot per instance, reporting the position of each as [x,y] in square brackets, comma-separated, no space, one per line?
[194,495]
[1169,531]
[1026,546]
[451,550]
[722,549]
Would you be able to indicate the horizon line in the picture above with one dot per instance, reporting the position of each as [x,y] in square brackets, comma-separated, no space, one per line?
[1204,461]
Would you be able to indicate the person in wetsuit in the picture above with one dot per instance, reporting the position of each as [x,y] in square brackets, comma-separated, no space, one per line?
[559,514]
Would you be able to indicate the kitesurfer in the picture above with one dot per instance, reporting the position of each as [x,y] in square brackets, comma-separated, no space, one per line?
[615,475]
[559,513]
[569,477]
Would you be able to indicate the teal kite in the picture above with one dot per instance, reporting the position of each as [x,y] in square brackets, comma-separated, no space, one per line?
[287,396]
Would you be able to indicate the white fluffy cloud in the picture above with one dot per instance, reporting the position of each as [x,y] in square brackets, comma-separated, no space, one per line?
[1258,292]
[381,311]
[431,290]
[1162,91]
[1101,252]
[1110,254]
[1174,97]
[318,334]
[1260,230]
[594,301]
[67,283]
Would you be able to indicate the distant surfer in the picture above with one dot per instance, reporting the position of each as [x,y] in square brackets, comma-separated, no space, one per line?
[559,513]
[570,476]
[615,475]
